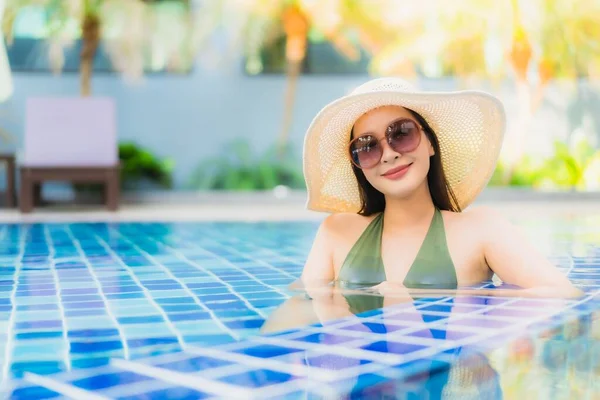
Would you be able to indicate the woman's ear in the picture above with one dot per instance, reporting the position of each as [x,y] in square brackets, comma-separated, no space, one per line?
[430,147]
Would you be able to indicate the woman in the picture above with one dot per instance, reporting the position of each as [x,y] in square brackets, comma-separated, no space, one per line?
[396,167]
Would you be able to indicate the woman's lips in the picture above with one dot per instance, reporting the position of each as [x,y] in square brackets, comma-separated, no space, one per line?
[397,173]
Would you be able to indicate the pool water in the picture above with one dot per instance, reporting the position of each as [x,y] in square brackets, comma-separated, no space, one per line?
[202,310]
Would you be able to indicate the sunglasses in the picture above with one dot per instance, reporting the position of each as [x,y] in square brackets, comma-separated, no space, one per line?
[403,136]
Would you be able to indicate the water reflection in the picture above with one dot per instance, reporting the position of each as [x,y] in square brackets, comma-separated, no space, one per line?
[558,363]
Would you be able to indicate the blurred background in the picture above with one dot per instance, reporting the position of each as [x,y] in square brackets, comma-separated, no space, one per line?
[217,94]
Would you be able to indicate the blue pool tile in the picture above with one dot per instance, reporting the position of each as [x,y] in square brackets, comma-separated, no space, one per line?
[145,319]
[131,295]
[515,313]
[194,364]
[175,300]
[258,378]
[81,298]
[38,335]
[207,340]
[179,308]
[367,386]
[216,297]
[84,305]
[230,305]
[266,302]
[104,381]
[384,346]
[85,312]
[121,289]
[482,323]
[49,324]
[207,286]
[414,367]
[90,361]
[439,334]
[153,341]
[281,281]
[33,392]
[372,327]
[331,361]
[32,293]
[79,291]
[324,338]
[36,287]
[234,314]
[95,347]
[266,351]
[37,367]
[245,324]
[439,307]
[179,393]
[193,316]
[93,333]
[159,282]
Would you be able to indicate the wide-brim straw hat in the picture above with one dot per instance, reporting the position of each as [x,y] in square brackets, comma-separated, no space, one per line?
[469,126]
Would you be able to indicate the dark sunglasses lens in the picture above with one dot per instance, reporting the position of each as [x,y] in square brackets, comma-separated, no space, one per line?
[403,136]
[366,151]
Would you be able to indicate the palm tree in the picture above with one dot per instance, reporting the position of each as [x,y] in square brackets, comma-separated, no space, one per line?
[128,28]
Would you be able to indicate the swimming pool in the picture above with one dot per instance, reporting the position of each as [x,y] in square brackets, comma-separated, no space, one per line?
[155,310]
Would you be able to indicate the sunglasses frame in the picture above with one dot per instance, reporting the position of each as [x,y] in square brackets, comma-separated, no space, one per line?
[386,138]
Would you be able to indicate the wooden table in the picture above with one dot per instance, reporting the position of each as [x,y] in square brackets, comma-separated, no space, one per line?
[33,177]
[9,193]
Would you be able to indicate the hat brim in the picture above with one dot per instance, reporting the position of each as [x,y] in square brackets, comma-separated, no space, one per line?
[469,126]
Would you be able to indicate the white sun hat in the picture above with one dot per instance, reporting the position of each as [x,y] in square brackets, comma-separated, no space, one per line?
[469,126]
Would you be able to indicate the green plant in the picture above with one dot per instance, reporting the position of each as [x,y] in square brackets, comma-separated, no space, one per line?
[137,165]
[239,169]
[569,167]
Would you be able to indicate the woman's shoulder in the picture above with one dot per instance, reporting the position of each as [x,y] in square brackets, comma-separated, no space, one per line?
[476,218]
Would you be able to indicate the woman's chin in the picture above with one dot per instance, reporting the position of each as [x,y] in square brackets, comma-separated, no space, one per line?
[399,189]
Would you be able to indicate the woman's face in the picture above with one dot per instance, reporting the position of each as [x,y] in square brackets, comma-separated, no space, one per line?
[413,166]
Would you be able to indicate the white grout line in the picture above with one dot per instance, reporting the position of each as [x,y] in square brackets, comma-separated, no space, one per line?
[216,242]
[11,320]
[146,292]
[57,287]
[65,389]
[278,270]
[294,369]
[185,288]
[190,381]
[101,293]
[209,272]
[278,390]
[341,350]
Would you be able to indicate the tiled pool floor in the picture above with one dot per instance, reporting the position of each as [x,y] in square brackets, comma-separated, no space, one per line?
[150,310]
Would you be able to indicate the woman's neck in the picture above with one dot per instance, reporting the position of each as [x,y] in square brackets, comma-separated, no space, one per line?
[409,211]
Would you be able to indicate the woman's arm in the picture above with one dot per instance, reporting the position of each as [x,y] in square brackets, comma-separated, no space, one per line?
[318,269]
[515,260]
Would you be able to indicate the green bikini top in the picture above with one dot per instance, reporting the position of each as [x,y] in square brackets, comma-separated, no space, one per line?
[432,268]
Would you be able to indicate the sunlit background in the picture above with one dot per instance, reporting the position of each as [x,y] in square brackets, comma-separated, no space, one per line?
[214,97]
[217,94]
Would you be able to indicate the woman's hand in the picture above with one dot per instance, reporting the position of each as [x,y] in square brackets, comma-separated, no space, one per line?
[387,287]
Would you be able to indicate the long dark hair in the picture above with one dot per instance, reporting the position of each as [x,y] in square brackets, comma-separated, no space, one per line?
[373,201]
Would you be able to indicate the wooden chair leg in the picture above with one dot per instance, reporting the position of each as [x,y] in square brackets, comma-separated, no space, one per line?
[26,193]
[37,194]
[112,191]
[10,184]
